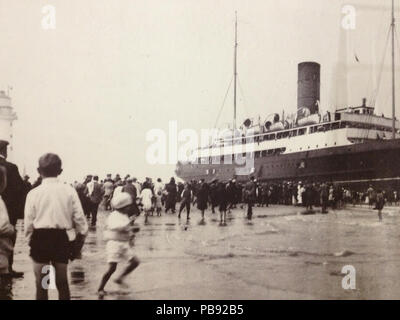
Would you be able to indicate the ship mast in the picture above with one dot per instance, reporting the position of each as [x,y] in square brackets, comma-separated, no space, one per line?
[393,27]
[235,75]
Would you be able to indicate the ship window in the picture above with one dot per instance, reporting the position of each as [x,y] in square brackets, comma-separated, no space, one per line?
[302,131]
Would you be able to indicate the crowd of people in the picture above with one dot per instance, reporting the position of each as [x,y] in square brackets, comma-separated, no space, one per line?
[172,197]
[57,216]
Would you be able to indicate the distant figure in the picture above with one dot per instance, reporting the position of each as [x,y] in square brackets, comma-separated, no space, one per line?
[28,185]
[380,202]
[202,197]
[108,187]
[223,201]
[186,200]
[132,191]
[250,197]
[158,193]
[324,194]
[95,193]
[146,197]
[172,190]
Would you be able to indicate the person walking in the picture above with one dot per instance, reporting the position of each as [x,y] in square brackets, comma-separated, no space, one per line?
[132,191]
[380,202]
[146,198]
[202,198]
[158,193]
[95,193]
[250,196]
[171,189]
[186,197]
[108,187]
[324,194]
[14,196]
[52,214]
[222,202]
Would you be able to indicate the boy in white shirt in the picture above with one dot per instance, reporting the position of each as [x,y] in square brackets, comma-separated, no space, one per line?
[119,235]
[52,211]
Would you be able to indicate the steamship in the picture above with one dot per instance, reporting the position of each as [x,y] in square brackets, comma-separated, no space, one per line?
[351,145]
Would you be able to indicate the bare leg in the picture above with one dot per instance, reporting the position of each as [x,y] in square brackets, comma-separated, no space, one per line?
[62,281]
[133,264]
[41,290]
[111,269]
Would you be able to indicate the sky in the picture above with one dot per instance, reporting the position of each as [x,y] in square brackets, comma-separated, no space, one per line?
[90,89]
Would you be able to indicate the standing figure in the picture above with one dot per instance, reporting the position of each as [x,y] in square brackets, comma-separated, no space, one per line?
[324,194]
[250,197]
[108,191]
[186,200]
[95,193]
[171,189]
[222,202]
[132,191]
[14,196]
[6,242]
[146,197]
[158,193]
[202,197]
[214,194]
[51,209]
[380,202]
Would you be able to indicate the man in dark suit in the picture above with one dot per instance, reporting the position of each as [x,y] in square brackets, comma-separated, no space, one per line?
[95,192]
[13,196]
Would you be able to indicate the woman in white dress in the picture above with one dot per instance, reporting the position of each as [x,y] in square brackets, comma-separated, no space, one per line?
[146,197]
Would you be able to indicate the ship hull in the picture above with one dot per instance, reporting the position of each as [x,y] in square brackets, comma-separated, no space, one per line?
[376,162]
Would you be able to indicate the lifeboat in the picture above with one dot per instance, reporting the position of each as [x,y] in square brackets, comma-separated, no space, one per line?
[311,119]
[271,120]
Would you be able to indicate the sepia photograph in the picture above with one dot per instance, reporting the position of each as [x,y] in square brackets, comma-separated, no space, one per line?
[199,150]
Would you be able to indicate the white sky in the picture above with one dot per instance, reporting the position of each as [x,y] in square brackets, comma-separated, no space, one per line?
[112,70]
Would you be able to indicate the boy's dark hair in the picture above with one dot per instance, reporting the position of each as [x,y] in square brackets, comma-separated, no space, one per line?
[96,178]
[50,165]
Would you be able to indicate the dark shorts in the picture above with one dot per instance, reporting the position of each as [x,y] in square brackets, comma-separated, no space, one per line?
[50,246]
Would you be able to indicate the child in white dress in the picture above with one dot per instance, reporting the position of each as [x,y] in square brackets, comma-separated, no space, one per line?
[119,235]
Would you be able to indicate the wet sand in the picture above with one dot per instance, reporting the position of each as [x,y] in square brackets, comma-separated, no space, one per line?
[281,254]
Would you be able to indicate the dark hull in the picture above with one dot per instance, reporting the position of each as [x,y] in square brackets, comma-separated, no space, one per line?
[371,162]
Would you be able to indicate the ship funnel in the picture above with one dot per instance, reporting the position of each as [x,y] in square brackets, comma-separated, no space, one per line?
[308,86]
